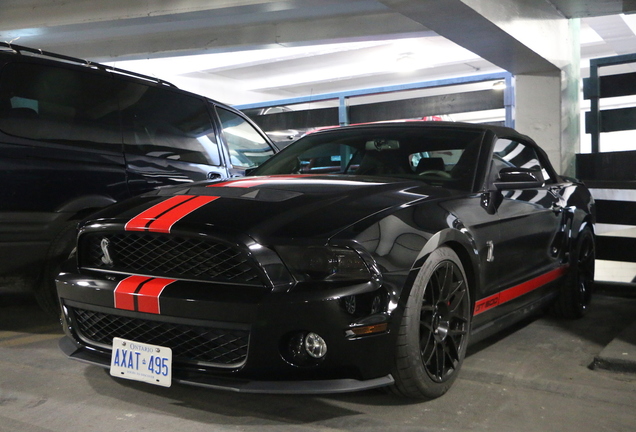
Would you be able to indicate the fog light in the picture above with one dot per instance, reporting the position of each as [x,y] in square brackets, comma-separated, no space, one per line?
[315,345]
[303,349]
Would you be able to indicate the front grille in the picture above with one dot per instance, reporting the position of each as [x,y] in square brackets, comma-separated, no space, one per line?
[189,344]
[167,256]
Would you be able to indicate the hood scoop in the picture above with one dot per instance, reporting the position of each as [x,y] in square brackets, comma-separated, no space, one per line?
[255,194]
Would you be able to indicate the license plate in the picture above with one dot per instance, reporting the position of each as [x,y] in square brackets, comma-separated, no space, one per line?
[141,362]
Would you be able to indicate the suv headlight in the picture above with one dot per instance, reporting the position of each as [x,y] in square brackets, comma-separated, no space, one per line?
[324,263]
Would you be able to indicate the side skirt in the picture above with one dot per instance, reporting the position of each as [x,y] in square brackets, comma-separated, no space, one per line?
[493,327]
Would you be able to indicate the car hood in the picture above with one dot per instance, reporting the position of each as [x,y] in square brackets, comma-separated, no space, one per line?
[272,208]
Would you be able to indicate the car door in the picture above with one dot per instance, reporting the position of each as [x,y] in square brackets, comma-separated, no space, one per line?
[168,137]
[530,221]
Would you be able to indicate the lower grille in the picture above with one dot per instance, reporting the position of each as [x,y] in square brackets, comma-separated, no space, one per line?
[190,344]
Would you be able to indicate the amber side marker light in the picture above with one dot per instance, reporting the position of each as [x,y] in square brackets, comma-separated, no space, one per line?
[367,330]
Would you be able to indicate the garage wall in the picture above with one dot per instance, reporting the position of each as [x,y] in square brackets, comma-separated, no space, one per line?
[610,174]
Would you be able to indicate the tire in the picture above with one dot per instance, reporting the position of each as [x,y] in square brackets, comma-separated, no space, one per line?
[44,288]
[576,292]
[434,331]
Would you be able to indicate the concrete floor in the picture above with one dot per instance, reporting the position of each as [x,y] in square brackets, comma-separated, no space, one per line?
[535,377]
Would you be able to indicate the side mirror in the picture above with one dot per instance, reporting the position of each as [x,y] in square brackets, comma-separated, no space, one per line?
[518,178]
[491,200]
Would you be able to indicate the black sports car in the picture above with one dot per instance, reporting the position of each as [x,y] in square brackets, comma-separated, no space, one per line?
[358,257]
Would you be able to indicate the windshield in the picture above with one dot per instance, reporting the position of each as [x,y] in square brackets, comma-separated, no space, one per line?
[438,156]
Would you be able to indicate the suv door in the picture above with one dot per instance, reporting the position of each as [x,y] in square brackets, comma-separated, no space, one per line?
[60,154]
[168,137]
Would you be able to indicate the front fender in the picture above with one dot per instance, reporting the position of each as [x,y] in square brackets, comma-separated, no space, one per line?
[447,236]
[462,243]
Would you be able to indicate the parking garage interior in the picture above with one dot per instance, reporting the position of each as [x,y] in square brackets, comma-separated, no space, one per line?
[561,71]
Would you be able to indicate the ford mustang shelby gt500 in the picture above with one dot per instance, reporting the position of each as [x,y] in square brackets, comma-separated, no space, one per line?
[358,257]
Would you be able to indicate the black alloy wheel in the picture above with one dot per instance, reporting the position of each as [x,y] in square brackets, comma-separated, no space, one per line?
[434,332]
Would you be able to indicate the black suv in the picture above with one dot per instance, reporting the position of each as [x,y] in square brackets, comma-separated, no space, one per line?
[76,136]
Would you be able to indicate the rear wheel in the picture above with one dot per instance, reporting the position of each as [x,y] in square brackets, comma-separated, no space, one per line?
[434,331]
[576,293]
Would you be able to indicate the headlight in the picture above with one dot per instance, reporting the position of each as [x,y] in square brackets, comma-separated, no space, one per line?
[324,263]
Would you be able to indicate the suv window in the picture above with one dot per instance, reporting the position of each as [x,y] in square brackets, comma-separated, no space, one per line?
[247,147]
[58,105]
[166,124]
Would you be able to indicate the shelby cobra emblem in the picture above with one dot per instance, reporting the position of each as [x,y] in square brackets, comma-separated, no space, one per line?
[106,259]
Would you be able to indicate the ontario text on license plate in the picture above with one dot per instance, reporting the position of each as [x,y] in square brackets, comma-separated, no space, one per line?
[141,362]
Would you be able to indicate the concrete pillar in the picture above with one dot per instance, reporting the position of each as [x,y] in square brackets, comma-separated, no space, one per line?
[533,41]
[547,108]
[538,111]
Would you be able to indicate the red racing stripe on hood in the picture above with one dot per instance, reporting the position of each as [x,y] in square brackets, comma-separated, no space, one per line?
[161,217]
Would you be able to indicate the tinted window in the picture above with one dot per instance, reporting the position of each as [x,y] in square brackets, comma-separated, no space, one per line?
[166,124]
[58,105]
[247,147]
[437,156]
[510,153]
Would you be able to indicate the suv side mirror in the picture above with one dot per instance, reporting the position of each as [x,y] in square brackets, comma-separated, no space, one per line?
[518,178]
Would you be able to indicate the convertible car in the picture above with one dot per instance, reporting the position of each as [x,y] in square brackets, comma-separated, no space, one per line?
[358,257]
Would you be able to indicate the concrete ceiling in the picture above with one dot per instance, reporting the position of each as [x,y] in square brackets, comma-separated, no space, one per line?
[593,8]
[242,51]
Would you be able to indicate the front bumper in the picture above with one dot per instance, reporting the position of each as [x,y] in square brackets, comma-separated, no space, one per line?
[238,385]
[270,319]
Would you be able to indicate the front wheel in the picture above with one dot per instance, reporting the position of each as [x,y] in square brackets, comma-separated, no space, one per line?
[434,331]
